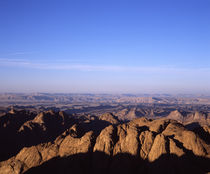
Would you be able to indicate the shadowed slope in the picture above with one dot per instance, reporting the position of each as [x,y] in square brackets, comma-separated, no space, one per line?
[123,163]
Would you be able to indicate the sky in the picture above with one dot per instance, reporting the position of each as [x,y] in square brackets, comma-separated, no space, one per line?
[105,46]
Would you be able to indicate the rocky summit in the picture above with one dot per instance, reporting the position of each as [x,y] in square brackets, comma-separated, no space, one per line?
[55,142]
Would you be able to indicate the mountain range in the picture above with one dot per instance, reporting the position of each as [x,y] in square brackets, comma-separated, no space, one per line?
[57,142]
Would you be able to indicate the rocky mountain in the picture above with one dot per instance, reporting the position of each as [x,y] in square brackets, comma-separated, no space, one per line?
[54,142]
[191,117]
[176,115]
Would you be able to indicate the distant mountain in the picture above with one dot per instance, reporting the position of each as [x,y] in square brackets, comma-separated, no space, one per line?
[14,98]
[109,117]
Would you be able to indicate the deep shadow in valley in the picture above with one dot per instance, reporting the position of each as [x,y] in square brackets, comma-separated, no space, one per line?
[199,130]
[99,162]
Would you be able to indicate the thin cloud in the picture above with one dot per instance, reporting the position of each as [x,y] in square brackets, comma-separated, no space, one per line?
[106,68]
[20,53]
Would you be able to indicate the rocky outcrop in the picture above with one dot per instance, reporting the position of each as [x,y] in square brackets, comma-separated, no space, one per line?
[109,118]
[176,115]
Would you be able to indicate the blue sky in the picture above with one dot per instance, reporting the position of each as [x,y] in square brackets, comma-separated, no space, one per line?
[105,46]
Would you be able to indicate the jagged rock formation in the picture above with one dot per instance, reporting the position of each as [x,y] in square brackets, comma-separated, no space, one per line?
[139,146]
[187,118]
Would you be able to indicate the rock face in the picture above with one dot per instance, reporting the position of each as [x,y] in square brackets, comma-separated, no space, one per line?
[128,140]
[139,146]
[146,140]
[71,145]
[159,148]
[105,141]
[29,156]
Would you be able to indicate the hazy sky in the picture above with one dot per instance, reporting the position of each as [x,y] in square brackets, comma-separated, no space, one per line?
[113,46]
